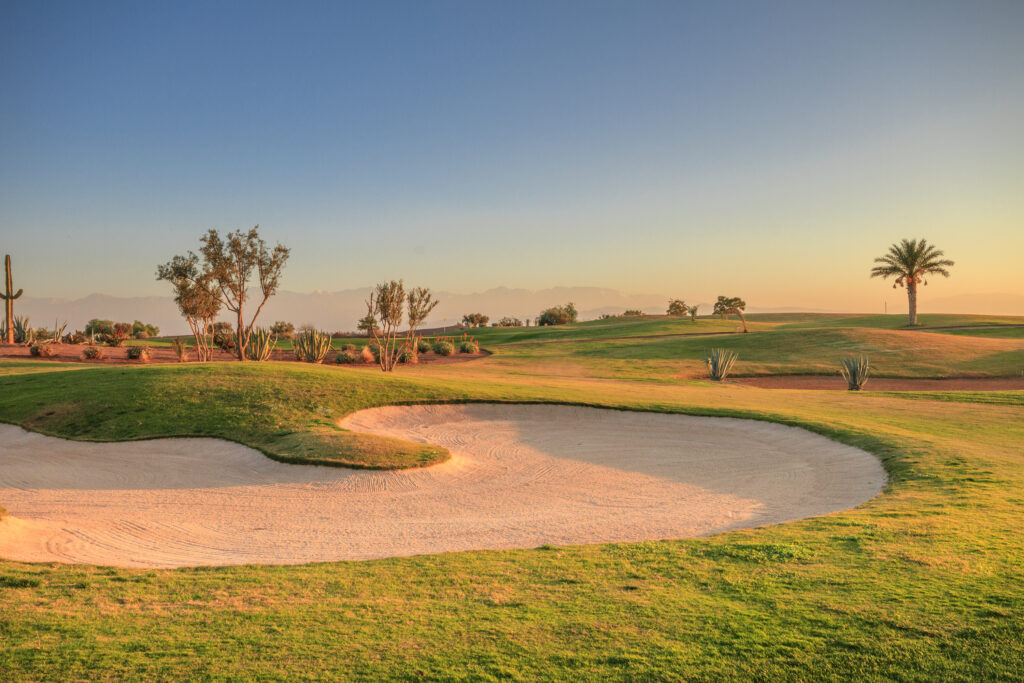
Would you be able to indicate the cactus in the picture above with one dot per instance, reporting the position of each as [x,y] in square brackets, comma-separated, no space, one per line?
[855,371]
[312,346]
[9,298]
[58,332]
[719,362]
[261,344]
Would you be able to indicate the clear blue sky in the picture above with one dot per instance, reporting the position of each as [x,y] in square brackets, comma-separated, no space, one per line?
[765,149]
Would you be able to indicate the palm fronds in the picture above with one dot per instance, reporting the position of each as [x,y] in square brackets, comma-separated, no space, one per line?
[910,261]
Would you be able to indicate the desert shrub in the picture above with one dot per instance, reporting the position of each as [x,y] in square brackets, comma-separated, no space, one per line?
[138,353]
[422,345]
[77,337]
[368,355]
[224,336]
[558,315]
[180,348]
[444,347]
[475,320]
[261,344]
[345,357]
[97,327]
[42,334]
[43,350]
[351,348]
[116,335]
[719,363]
[312,346]
[283,329]
[469,347]
[508,322]
[632,313]
[406,354]
[92,352]
[855,371]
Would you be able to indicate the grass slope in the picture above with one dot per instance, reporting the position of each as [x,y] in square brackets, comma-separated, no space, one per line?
[921,583]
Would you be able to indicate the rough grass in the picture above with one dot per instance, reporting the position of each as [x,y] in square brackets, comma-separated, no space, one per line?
[923,582]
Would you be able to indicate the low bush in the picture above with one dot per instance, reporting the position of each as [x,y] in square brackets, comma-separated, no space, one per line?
[43,350]
[139,353]
[346,357]
[351,348]
[92,352]
[719,362]
[74,338]
[180,349]
[444,348]
[469,347]
[116,335]
[368,355]
[855,371]
[423,346]
[407,355]
[508,322]
[312,346]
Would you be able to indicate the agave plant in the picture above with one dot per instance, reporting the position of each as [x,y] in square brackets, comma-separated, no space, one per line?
[261,344]
[856,371]
[23,334]
[312,346]
[719,362]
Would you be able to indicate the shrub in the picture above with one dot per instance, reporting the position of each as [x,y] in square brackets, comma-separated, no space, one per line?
[92,353]
[74,338]
[444,347]
[469,347]
[261,344]
[141,330]
[632,313]
[475,320]
[368,355]
[345,357]
[423,346]
[138,353]
[312,346]
[116,335]
[719,362]
[180,349]
[351,348]
[283,329]
[558,315]
[224,337]
[407,355]
[855,371]
[43,350]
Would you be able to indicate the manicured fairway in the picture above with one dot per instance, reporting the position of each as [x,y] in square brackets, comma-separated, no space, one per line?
[923,582]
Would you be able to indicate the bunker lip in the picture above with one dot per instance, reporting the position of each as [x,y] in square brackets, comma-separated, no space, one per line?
[520,476]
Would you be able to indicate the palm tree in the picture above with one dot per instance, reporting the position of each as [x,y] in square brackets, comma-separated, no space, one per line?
[909,262]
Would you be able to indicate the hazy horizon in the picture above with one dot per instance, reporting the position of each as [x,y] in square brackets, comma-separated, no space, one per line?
[768,151]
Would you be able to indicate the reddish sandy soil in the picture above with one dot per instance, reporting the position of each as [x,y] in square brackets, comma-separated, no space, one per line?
[837,383]
[165,354]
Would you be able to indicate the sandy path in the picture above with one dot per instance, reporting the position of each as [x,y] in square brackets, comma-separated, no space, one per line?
[520,476]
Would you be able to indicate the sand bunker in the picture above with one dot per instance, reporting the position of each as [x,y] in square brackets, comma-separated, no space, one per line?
[519,477]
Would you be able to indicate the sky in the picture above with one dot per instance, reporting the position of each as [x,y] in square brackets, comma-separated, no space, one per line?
[768,150]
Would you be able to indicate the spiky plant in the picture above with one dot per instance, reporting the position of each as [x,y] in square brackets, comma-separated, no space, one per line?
[719,362]
[23,334]
[261,344]
[855,371]
[910,262]
[312,346]
[180,348]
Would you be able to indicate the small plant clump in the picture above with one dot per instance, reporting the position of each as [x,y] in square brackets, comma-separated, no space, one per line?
[423,346]
[469,346]
[407,355]
[443,347]
[43,350]
[855,371]
[180,349]
[367,355]
[116,335]
[719,363]
[140,353]
[312,346]
[261,344]
[346,357]
[92,352]
[76,337]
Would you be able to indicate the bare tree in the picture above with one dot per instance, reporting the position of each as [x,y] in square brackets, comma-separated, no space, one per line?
[231,263]
[421,303]
[386,305]
[197,297]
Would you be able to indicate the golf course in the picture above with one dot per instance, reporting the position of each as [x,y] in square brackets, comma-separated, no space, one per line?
[917,577]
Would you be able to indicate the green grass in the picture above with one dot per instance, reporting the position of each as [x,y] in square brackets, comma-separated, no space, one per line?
[923,582]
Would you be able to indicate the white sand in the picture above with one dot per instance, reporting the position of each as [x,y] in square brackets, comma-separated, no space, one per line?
[519,477]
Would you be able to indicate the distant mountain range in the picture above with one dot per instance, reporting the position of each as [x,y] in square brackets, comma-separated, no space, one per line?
[340,311]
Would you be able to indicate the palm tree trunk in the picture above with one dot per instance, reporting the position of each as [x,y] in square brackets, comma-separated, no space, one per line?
[912,299]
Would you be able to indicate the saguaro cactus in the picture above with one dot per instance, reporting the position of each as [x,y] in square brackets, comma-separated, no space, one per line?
[9,300]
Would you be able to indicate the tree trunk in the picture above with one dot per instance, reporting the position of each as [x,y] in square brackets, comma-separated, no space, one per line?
[743,320]
[241,334]
[912,300]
